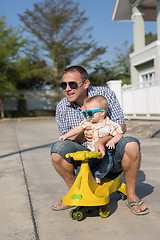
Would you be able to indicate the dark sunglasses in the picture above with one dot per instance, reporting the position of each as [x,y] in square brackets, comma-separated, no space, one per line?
[90,113]
[72,84]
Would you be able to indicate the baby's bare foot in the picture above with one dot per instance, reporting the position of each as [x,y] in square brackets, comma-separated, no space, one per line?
[98,180]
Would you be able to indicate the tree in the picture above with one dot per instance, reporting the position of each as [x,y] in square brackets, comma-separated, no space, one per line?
[119,68]
[10,44]
[102,73]
[60,29]
[33,73]
[122,63]
[150,37]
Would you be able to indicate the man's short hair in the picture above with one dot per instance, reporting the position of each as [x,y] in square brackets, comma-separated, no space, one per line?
[80,69]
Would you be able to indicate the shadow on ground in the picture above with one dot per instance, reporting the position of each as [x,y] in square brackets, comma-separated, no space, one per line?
[26,150]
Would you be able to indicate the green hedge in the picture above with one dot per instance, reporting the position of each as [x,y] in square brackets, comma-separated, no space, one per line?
[31,113]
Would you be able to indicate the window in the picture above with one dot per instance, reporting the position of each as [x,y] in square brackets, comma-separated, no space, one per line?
[147,79]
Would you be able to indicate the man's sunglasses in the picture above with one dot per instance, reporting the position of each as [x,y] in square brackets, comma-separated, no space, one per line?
[72,84]
[90,113]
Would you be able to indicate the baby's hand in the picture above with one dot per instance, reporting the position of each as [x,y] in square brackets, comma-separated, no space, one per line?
[110,144]
[62,138]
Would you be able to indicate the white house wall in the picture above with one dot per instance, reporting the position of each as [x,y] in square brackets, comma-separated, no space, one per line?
[150,52]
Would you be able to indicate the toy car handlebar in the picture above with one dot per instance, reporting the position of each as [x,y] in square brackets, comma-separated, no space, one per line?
[83,155]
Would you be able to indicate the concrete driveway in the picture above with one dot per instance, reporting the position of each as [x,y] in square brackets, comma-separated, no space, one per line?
[30,186]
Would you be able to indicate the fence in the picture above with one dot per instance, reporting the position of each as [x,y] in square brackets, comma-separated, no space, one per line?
[138,101]
[35,100]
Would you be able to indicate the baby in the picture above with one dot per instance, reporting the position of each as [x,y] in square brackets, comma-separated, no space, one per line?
[95,113]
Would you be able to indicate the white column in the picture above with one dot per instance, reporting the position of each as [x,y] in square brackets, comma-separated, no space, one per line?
[138,29]
[158,19]
[115,85]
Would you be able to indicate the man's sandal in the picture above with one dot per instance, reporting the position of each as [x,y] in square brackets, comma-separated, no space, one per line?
[131,204]
[61,209]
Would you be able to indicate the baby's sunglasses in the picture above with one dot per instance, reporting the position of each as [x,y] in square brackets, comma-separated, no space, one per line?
[72,84]
[90,113]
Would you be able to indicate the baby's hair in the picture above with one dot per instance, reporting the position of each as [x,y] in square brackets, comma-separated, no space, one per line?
[101,100]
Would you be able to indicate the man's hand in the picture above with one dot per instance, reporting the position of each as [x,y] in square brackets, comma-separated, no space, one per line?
[88,134]
[99,147]
[123,126]
[63,137]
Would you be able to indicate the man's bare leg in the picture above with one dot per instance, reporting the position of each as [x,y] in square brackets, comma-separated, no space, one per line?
[66,171]
[131,164]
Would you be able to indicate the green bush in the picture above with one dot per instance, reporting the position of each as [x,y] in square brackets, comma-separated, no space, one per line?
[31,113]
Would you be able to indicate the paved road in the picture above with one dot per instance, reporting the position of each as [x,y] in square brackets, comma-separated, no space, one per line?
[30,185]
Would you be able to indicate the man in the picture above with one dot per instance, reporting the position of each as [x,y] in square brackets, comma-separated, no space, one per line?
[69,114]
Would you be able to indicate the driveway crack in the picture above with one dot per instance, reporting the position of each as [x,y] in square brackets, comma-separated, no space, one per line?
[27,188]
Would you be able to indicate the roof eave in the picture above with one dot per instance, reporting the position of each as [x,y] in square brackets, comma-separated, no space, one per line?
[122,11]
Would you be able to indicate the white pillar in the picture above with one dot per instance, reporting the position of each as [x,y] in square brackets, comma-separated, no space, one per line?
[158,19]
[138,29]
[115,85]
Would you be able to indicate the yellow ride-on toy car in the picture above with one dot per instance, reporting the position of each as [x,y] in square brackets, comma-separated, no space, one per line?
[86,193]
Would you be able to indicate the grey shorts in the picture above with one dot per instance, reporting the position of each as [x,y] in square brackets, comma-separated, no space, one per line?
[68,146]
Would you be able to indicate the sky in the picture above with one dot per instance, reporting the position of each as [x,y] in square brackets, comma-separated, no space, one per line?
[99,13]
